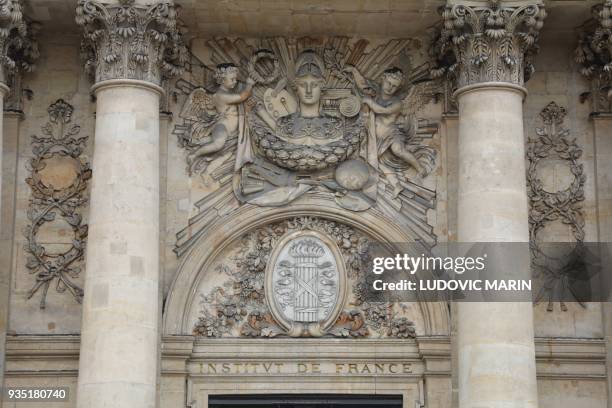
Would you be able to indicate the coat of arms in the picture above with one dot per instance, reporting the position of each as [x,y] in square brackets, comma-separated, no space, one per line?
[306,282]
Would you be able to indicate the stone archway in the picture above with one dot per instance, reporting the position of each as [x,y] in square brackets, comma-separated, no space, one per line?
[224,230]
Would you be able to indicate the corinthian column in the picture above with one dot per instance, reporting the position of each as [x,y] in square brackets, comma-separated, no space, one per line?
[18,51]
[594,56]
[488,47]
[129,48]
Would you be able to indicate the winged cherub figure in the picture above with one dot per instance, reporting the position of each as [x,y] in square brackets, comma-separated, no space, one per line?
[394,124]
[216,116]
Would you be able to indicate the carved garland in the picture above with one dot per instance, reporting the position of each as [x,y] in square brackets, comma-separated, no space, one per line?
[49,203]
[594,55]
[545,207]
[240,303]
[488,43]
[131,41]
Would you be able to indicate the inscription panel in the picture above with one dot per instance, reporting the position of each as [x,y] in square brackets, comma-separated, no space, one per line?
[303,368]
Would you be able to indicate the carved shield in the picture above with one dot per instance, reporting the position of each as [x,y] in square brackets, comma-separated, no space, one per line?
[305,281]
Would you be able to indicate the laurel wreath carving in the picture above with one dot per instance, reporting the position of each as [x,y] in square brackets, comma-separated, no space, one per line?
[552,141]
[48,203]
[300,157]
[256,75]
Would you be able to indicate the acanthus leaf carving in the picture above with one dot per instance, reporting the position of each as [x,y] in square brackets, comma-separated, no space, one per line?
[494,42]
[18,50]
[61,146]
[594,55]
[131,41]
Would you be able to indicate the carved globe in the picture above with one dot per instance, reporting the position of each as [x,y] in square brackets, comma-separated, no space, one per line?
[352,174]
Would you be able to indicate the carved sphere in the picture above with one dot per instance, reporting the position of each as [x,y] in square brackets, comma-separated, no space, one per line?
[352,174]
[350,106]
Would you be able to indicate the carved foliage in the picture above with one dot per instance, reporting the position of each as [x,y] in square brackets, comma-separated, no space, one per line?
[552,142]
[483,43]
[18,48]
[61,144]
[240,304]
[594,55]
[132,41]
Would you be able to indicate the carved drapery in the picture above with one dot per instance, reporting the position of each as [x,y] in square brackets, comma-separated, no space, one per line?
[130,41]
[594,55]
[492,41]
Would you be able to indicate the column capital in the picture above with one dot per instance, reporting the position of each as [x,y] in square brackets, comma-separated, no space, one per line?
[126,40]
[488,41]
[18,48]
[594,55]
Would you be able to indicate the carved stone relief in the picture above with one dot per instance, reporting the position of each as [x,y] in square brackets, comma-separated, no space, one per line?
[286,118]
[58,180]
[493,42]
[548,204]
[130,41]
[594,55]
[305,282]
[18,51]
[289,279]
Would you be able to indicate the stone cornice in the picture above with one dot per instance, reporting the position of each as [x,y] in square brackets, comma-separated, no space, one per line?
[488,41]
[130,41]
[54,355]
[594,56]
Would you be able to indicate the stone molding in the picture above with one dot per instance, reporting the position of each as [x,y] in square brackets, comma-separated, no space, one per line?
[557,358]
[122,83]
[131,41]
[487,41]
[491,85]
[594,56]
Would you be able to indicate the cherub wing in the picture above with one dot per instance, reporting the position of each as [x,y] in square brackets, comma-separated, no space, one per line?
[419,95]
[199,106]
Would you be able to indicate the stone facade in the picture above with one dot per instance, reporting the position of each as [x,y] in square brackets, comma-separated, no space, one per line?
[188,194]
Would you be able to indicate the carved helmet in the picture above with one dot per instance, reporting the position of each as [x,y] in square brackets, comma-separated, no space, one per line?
[308,62]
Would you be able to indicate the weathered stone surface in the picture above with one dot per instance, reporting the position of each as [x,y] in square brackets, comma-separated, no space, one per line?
[570,346]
